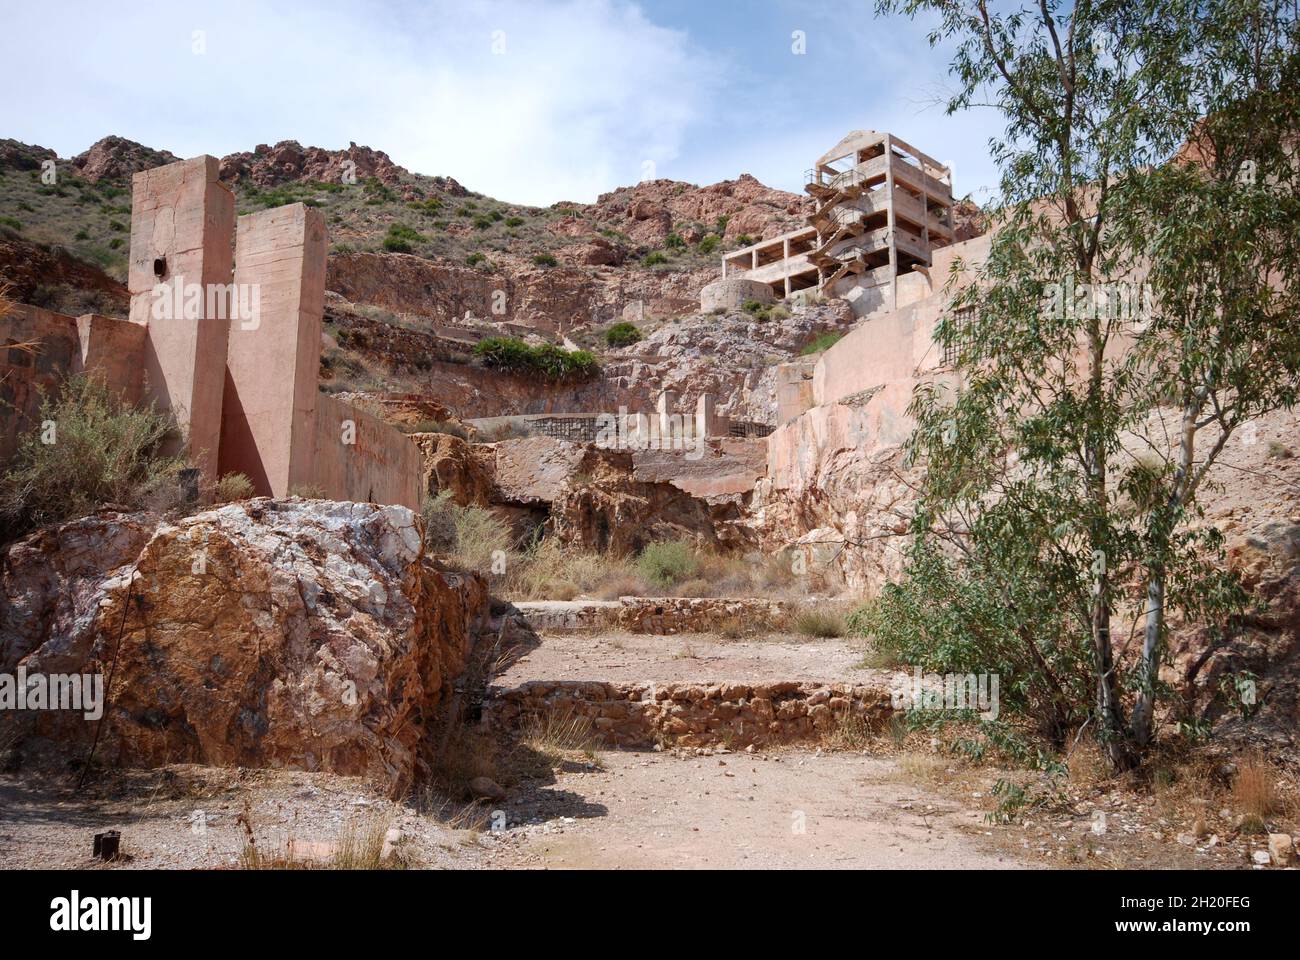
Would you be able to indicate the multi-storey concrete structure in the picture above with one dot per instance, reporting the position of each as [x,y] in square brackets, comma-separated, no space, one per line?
[882,207]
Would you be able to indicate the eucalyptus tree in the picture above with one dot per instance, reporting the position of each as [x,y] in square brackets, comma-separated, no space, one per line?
[1135,270]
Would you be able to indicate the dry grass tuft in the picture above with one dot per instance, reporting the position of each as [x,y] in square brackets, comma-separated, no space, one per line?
[1254,791]
[825,624]
[359,847]
[232,487]
[560,734]
[852,732]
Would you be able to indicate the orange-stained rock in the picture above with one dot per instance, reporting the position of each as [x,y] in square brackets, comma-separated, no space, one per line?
[305,634]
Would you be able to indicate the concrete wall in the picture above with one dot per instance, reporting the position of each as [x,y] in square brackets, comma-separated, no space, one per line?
[380,464]
[861,387]
[39,349]
[113,350]
[273,359]
[731,294]
[182,225]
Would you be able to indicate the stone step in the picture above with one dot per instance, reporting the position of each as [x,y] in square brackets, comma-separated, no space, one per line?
[732,715]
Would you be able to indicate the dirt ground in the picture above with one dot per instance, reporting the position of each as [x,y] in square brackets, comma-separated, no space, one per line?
[737,811]
[628,810]
[617,656]
[891,802]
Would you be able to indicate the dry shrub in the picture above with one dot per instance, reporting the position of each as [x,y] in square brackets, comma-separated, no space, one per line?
[732,627]
[359,847]
[1087,765]
[927,768]
[623,585]
[232,487]
[852,731]
[550,572]
[308,491]
[470,536]
[103,451]
[559,733]
[1254,791]
[820,623]
[468,753]
[697,587]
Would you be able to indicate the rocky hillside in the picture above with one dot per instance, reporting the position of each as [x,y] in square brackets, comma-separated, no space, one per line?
[658,228]
[421,268]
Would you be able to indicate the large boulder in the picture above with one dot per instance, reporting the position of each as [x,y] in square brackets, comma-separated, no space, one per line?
[603,507]
[305,634]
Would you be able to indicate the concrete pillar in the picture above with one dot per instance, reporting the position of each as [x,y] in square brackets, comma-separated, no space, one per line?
[794,390]
[182,222]
[273,356]
[667,400]
[705,416]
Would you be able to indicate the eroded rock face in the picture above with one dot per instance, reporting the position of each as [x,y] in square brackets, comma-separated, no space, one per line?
[456,466]
[302,634]
[604,508]
[732,356]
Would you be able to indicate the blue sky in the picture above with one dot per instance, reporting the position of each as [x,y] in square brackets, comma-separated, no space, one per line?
[530,101]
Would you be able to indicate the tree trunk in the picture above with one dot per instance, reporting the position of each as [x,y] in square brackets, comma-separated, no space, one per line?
[1144,707]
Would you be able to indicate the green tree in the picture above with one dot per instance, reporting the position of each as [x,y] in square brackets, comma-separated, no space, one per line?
[1049,485]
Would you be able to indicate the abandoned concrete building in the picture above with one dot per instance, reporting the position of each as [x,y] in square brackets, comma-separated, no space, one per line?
[881,208]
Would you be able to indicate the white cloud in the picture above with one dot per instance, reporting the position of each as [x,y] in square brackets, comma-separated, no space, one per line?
[584,95]
[585,92]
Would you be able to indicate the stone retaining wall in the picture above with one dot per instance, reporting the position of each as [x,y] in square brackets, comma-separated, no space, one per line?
[653,614]
[696,614]
[692,715]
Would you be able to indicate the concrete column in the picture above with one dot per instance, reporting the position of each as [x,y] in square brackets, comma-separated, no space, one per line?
[182,222]
[667,400]
[705,416]
[273,357]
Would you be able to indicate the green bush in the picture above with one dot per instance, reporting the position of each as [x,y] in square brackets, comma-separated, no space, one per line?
[621,334]
[654,258]
[514,221]
[823,341]
[674,241]
[544,260]
[709,243]
[551,362]
[745,240]
[402,238]
[474,259]
[88,448]
[669,562]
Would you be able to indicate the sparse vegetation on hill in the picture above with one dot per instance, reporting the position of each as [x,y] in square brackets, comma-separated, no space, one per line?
[546,360]
[622,334]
